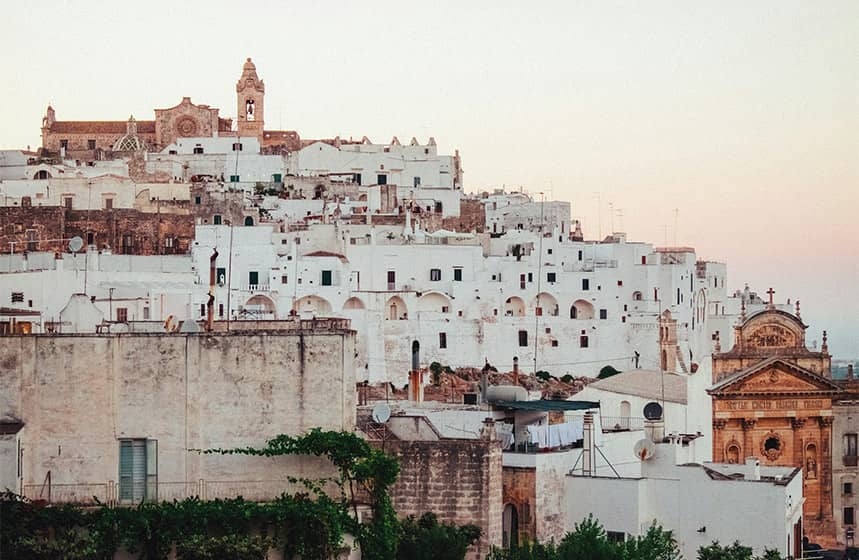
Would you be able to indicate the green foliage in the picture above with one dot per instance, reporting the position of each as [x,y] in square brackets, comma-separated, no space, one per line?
[589,542]
[567,378]
[716,551]
[435,371]
[607,371]
[543,375]
[425,538]
[236,547]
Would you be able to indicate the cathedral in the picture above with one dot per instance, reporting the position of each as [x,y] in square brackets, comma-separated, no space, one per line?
[773,400]
[94,140]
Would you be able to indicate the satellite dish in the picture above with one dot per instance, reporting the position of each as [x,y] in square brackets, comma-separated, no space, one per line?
[644,449]
[653,411]
[381,413]
[76,244]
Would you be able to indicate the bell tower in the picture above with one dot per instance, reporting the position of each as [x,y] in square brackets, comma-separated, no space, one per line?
[250,94]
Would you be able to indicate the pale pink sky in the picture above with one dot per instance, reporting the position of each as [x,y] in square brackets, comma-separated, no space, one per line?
[742,115]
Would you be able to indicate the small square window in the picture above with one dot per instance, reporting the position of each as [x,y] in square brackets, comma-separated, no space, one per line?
[620,283]
[284,279]
[549,251]
[586,284]
[216,219]
[457,275]
[442,340]
[603,313]
[198,149]
[234,178]
[583,341]
[197,200]
[523,338]
[237,146]
[551,277]
[435,274]
[90,144]
[122,314]
[554,343]
[848,488]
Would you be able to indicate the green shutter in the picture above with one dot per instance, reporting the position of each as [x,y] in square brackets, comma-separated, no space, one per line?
[326,277]
[132,470]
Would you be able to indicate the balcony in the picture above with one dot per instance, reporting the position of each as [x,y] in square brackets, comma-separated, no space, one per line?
[108,493]
[851,460]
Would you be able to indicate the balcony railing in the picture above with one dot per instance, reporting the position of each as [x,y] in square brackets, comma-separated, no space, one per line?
[851,460]
[622,423]
[108,493]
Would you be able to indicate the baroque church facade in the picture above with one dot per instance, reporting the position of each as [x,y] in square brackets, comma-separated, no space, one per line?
[773,400]
[94,140]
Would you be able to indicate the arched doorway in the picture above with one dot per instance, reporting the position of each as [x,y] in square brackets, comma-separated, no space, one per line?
[353,303]
[510,527]
[514,307]
[313,305]
[581,310]
[396,309]
[249,221]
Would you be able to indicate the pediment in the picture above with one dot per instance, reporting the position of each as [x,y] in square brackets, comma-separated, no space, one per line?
[775,376]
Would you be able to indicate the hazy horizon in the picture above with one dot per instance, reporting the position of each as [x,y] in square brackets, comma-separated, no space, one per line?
[742,117]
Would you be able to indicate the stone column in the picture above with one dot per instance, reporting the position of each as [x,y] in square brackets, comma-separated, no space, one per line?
[748,447]
[796,424]
[824,466]
[719,440]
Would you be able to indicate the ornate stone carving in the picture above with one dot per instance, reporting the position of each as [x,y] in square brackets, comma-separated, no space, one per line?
[771,336]
[749,423]
[797,423]
[825,421]
[186,126]
[719,424]
[772,446]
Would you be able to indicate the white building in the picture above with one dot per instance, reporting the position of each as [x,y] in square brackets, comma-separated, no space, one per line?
[760,507]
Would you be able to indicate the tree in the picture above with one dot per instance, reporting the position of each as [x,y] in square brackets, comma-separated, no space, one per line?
[588,541]
[424,538]
[715,551]
[607,371]
[656,544]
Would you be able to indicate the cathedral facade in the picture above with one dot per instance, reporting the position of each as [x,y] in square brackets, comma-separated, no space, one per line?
[94,140]
[773,400]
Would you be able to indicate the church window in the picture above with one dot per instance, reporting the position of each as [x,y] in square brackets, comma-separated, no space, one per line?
[772,444]
[249,109]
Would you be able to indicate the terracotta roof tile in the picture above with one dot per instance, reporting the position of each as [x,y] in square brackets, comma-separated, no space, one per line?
[100,127]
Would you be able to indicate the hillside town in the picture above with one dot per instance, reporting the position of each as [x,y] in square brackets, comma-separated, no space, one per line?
[191,281]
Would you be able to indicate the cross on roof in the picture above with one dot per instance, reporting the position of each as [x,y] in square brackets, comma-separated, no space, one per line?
[771,292]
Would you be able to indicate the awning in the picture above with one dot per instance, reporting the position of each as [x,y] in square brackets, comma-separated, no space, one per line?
[546,405]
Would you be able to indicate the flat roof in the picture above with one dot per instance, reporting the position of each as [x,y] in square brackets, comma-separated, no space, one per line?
[546,405]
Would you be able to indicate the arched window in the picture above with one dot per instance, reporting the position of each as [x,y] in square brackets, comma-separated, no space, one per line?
[510,527]
[249,221]
[42,174]
[636,296]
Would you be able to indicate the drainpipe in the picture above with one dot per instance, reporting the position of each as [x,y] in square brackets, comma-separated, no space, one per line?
[210,306]
[516,371]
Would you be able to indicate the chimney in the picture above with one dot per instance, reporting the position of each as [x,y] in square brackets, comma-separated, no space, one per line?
[753,468]
[654,430]
[58,261]
[850,372]
[588,445]
[210,305]
[487,432]
[416,386]
[516,370]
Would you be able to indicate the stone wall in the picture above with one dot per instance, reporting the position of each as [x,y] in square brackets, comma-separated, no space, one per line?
[459,480]
[77,395]
[472,217]
[123,230]
[520,491]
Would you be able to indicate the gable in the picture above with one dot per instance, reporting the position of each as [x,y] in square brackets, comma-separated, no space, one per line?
[774,377]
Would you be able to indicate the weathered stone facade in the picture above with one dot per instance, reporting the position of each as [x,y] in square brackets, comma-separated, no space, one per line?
[122,230]
[459,480]
[79,395]
[772,399]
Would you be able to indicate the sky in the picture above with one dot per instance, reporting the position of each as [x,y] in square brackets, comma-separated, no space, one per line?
[731,127]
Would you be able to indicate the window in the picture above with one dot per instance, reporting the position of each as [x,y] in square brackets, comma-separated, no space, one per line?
[643,259]
[392,279]
[234,178]
[220,310]
[442,340]
[253,278]
[435,274]
[168,242]
[127,244]
[549,252]
[121,314]
[284,279]
[580,255]
[249,221]
[198,149]
[849,518]
[551,277]
[216,219]
[615,536]
[356,178]
[457,275]
[521,281]
[197,200]
[417,181]
[145,313]
[277,177]
[850,450]
[202,310]
[381,179]
[848,488]
[438,207]
[327,277]
[138,469]
[554,342]
[603,313]
[619,283]
[523,338]
[90,144]
[221,275]
[583,341]
[530,277]
[586,284]
[17,297]
[237,146]
[64,144]
[67,202]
